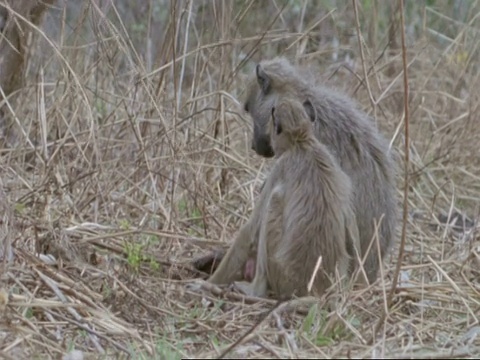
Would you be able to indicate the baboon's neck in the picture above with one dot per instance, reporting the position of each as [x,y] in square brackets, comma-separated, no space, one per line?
[310,147]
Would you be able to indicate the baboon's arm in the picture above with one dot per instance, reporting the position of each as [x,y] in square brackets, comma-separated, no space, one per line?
[270,234]
[231,266]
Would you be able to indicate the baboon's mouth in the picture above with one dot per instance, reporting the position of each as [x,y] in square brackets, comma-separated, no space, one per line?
[264,150]
[261,145]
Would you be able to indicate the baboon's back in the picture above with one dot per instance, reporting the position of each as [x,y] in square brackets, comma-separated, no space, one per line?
[317,194]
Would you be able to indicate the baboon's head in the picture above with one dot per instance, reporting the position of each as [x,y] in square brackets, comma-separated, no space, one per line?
[274,80]
[291,123]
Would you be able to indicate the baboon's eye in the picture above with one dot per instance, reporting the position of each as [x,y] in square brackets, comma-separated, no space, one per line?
[246,107]
[276,125]
[310,109]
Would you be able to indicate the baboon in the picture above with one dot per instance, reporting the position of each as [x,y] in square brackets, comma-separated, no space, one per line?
[349,135]
[353,141]
[304,212]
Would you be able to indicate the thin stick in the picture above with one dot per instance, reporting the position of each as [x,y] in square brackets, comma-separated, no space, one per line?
[362,56]
[249,331]
[407,158]
[405,189]
[317,266]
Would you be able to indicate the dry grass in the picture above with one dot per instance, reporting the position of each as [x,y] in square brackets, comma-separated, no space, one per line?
[129,155]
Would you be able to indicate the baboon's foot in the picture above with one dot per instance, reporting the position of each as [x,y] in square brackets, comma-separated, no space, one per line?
[251,289]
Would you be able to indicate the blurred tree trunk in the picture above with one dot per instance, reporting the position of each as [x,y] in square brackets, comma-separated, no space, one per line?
[14,33]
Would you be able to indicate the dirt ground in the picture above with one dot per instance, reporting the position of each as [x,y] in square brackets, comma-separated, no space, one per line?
[127,154]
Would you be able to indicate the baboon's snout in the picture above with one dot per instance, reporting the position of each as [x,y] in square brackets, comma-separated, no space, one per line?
[262,146]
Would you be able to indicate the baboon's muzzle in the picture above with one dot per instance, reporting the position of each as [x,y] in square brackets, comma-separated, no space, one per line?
[262,147]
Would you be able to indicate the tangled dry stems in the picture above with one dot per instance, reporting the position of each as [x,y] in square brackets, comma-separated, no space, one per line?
[122,167]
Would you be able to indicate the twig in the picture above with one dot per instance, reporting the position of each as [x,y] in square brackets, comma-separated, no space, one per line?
[314,274]
[407,159]
[405,189]
[91,333]
[249,331]
[362,56]
[289,339]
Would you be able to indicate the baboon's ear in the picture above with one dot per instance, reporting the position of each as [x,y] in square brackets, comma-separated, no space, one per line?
[310,110]
[277,127]
[263,79]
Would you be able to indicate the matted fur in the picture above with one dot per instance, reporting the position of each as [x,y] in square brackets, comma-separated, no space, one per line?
[351,138]
[304,212]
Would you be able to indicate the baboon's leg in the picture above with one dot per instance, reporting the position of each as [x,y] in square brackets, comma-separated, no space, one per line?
[232,265]
[209,263]
[258,287]
[270,233]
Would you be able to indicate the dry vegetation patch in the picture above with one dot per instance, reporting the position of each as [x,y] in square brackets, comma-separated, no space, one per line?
[126,154]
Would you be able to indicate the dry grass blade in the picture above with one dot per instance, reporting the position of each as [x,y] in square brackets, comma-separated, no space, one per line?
[125,154]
